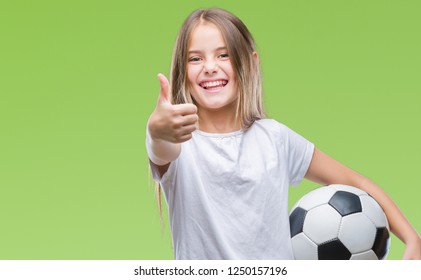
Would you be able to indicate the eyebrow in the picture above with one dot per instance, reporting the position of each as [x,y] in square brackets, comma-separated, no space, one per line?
[217,49]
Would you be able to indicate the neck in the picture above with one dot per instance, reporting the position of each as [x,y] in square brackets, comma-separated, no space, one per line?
[218,121]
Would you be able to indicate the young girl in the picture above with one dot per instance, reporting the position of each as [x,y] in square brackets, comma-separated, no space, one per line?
[224,168]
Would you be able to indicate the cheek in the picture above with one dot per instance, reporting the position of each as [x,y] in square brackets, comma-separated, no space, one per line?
[191,80]
[192,73]
[227,68]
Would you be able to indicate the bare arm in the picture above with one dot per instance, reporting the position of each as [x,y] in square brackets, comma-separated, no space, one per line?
[168,126]
[325,170]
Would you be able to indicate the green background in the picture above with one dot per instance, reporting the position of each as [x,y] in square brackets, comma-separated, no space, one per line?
[78,82]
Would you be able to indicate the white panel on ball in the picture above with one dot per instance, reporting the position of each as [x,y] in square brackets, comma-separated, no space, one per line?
[318,197]
[368,255]
[357,233]
[350,189]
[305,249]
[373,211]
[322,223]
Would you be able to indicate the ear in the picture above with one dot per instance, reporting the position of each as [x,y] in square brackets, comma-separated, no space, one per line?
[256,57]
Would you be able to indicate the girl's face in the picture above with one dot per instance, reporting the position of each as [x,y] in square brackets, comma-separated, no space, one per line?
[210,74]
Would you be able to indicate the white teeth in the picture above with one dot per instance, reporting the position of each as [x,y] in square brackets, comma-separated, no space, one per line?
[213,83]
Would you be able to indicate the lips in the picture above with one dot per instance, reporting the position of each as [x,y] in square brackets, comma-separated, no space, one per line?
[214,84]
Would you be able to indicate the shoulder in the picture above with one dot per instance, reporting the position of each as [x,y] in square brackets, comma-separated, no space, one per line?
[278,131]
[271,126]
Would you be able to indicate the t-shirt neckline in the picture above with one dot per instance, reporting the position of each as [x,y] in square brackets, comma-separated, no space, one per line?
[219,135]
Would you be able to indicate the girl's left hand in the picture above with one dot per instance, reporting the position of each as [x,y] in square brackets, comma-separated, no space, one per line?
[413,250]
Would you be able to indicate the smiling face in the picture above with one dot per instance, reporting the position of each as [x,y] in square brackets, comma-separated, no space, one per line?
[211,77]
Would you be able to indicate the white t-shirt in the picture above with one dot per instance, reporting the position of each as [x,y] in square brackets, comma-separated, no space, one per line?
[227,194]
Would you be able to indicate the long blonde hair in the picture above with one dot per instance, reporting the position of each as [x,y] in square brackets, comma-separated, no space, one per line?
[240,46]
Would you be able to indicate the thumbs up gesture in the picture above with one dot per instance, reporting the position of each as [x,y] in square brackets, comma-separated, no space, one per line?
[172,123]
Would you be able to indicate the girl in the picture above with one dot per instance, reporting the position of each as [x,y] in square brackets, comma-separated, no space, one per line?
[224,168]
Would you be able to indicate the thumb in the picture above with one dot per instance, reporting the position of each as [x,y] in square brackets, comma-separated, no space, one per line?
[165,85]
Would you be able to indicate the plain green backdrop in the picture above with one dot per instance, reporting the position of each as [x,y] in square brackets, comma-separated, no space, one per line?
[78,82]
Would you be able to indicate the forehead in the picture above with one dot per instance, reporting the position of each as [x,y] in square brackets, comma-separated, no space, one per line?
[205,36]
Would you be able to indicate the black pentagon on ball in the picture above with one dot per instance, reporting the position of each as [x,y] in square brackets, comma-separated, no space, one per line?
[296,221]
[345,203]
[333,250]
[381,242]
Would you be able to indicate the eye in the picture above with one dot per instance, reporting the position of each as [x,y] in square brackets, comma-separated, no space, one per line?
[223,56]
[194,59]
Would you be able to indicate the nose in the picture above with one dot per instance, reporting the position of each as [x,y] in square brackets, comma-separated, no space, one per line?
[210,67]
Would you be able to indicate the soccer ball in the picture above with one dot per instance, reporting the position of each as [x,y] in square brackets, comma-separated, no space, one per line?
[339,222]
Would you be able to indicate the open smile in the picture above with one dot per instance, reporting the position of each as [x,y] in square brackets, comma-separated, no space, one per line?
[214,86]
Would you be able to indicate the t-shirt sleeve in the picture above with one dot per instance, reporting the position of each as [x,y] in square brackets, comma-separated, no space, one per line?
[299,153]
[156,176]
[155,172]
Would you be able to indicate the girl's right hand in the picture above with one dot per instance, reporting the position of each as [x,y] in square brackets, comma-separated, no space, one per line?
[172,123]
